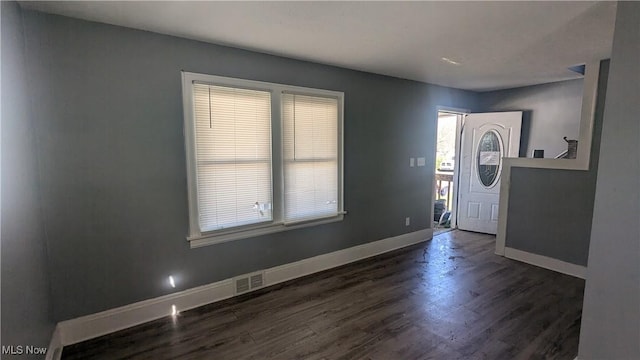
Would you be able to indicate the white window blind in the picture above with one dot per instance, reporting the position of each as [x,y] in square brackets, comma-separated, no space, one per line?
[310,149]
[250,174]
[233,156]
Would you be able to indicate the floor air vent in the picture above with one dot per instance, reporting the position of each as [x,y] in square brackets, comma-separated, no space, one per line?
[249,282]
[256,281]
[242,285]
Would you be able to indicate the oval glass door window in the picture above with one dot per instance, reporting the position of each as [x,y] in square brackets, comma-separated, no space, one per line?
[489,158]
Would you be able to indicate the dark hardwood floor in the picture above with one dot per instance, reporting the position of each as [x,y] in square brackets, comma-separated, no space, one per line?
[449,298]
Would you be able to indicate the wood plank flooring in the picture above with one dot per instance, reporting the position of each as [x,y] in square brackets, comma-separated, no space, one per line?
[448,298]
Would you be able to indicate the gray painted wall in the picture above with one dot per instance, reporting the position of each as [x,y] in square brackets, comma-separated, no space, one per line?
[550,211]
[26,311]
[551,111]
[611,313]
[109,128]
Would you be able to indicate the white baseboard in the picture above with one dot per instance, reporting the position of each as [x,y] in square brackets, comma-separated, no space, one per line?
[322,262]
[54,351]
[105,322]
[91,326]
[546,262]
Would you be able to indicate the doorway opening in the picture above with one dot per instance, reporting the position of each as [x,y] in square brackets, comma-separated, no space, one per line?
[446,170]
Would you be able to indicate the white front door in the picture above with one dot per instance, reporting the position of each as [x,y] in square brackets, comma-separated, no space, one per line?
[486,139]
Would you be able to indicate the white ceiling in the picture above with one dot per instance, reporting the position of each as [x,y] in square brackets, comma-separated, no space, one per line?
[489,45]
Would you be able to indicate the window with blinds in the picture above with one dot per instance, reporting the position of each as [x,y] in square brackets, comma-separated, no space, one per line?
[310,148]
[261,157]
[233,154]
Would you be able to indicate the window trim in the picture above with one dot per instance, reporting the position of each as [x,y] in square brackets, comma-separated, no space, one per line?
[197,238]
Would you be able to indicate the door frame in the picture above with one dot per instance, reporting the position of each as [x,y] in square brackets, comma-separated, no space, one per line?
[462,113]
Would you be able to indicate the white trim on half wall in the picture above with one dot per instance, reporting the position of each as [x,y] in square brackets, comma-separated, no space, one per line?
[580,163]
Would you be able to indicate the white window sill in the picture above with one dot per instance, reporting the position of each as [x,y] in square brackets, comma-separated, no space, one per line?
[212,238]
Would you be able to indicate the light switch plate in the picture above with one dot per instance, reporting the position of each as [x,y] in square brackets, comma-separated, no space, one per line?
[421,161]
[412,162]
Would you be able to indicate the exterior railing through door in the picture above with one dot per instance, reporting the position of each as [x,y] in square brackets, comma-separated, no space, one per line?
[444,187]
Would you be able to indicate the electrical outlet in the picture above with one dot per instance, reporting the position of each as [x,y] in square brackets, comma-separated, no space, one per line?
[407,221]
